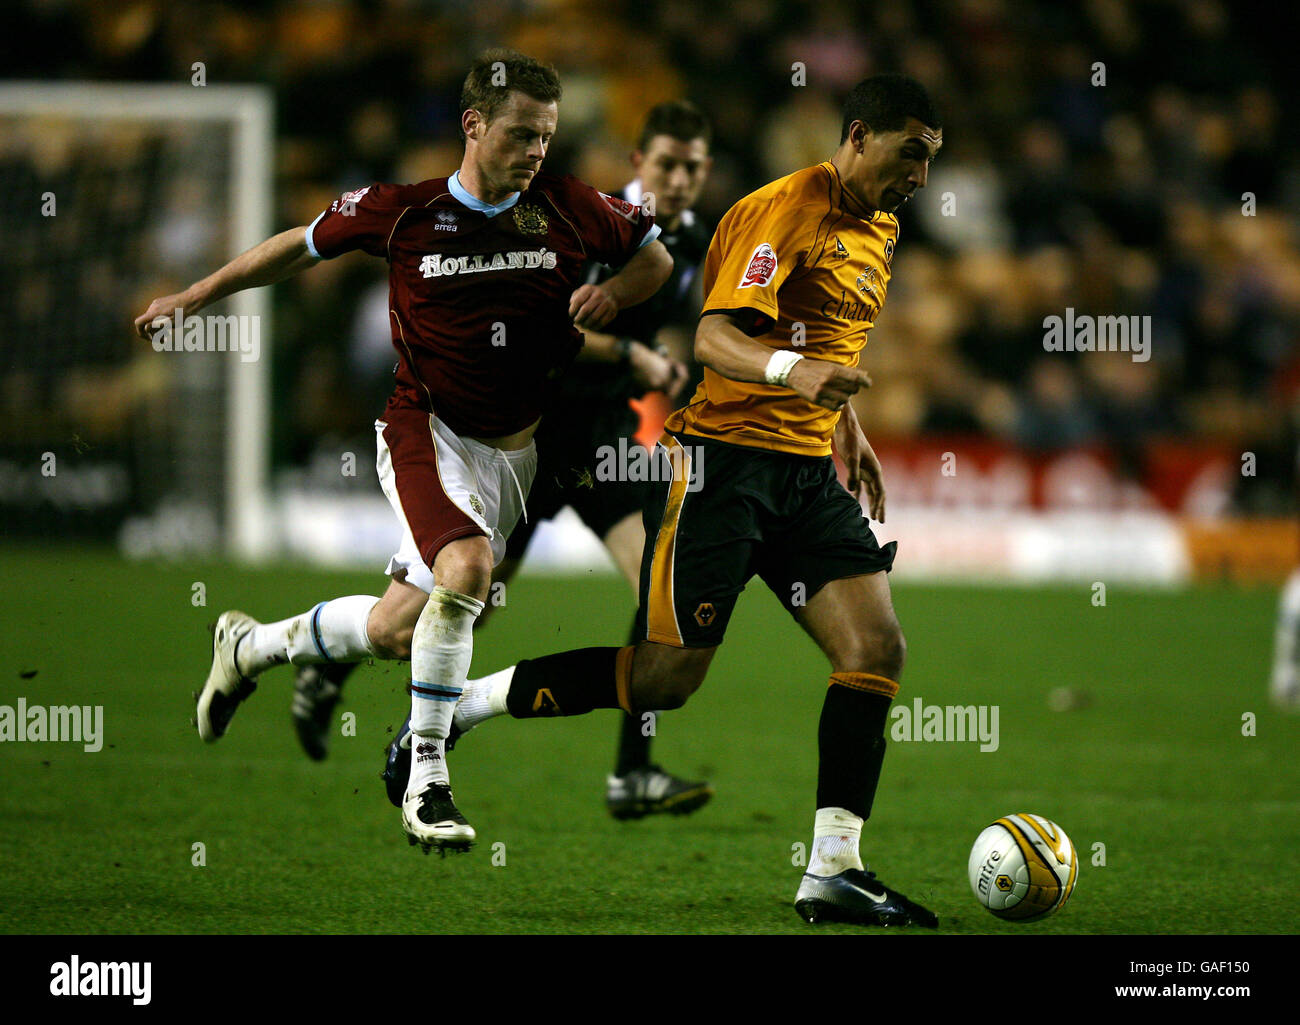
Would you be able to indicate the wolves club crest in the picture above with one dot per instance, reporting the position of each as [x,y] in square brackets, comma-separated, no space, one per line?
[762,267]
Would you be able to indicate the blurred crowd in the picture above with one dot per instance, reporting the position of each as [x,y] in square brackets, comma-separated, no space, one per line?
[1114,157]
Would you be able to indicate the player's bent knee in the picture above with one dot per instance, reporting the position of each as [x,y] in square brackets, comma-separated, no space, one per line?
[393,643]
[391,629]
[665,696]
[465,566]
[880,651]
[664,678]
[893,650]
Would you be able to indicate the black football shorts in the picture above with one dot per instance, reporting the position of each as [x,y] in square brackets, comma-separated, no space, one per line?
[722,513]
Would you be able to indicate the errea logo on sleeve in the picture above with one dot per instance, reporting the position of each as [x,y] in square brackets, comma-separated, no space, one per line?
[762,266]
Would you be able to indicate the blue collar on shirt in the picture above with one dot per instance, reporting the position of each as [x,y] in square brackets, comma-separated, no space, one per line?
[459,191]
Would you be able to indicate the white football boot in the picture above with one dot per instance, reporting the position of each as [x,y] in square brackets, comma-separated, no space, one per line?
[429,813]
[226,687]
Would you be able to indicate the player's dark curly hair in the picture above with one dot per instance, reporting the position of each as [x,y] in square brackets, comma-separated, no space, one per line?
[678,119]
[884,103]
[496,73]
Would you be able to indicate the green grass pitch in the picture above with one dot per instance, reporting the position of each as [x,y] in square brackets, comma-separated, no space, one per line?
[1198,821]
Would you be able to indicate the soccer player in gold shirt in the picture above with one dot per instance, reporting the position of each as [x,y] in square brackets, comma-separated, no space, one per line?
[794,279]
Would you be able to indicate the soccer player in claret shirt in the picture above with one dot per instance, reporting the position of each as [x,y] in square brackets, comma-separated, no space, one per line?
[794,279]
[486,298]
[588,411]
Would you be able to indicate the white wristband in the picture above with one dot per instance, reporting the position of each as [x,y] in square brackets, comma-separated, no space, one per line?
[779,367]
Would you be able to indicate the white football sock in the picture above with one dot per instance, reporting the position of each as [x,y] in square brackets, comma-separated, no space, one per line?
[441,650]
[334,631]
[483,699]
[428,763]
[835,842]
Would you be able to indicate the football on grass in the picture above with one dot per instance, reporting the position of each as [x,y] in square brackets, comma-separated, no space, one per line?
[1023,867]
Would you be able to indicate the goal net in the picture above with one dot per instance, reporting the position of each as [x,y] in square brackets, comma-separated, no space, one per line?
[115,195]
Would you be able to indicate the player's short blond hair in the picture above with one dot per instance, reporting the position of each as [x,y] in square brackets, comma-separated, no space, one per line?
[496,73]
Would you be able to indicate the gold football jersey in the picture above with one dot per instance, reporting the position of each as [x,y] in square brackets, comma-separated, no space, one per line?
[805,275]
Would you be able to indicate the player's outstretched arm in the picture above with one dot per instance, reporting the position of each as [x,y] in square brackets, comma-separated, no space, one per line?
[279,257]
[725,349]
[594,306]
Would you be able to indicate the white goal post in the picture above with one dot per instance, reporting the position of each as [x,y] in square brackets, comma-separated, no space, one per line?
[242,119]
